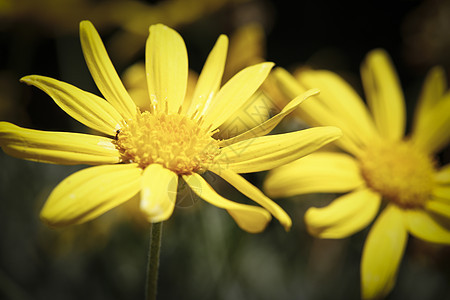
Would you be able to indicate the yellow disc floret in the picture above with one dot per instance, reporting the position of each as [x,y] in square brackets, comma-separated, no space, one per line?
[398,171]
[172,140]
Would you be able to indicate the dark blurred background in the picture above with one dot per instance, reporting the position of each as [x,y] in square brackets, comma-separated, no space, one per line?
[204,254]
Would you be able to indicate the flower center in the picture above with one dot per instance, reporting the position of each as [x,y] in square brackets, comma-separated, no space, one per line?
[174,141]
[398,171]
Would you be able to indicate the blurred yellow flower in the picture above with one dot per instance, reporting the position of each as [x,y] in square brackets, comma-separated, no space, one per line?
[149,152]
[129,19]
[380,163]
[131,15]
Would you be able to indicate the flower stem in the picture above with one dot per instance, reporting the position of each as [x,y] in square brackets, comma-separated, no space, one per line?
[153,260]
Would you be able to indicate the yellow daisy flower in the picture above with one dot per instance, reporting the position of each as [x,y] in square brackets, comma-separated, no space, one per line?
[380,163]
[149,152]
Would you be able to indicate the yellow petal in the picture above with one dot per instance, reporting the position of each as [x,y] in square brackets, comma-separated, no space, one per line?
[267,126]
[384,94]
[267,152]
[210,78]
[345,216]
[250,218]
[103,72]
[158,193]
[343,101]
[64,148]
[433,88]
[426,227]
[167,68]
[319,172]
[235,92]
[439,207]
[91,192]
[382,254]
[443,175]
[255,194]
[441,191]
[84,107]
[314,113]
[433,135]
[255,111]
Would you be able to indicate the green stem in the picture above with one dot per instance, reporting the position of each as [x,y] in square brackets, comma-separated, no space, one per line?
[153,260]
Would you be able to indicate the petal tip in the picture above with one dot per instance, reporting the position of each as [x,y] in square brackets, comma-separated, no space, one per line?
[158,26]
[85,24]
[223,38]
[335,131]
[48,220]
[287,226]
[269,64]
[377,53]
[27,79]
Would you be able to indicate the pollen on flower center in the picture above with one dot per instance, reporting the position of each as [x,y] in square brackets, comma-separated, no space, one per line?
[172,140]
[398,171]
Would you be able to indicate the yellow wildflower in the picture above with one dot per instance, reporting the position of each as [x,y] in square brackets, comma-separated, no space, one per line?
[149,152]
[380,164]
